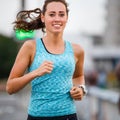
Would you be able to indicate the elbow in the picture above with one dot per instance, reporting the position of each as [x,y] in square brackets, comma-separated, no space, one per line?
[9,89]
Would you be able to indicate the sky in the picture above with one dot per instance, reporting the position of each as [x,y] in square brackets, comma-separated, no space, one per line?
[85,16]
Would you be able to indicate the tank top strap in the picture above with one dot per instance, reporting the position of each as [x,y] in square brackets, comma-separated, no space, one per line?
[39,46]
[69,47]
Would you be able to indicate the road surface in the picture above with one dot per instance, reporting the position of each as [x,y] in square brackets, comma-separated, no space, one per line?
[11,108]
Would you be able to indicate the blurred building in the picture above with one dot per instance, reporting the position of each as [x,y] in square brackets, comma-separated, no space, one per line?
[112,32]
[107,46]
[105,51]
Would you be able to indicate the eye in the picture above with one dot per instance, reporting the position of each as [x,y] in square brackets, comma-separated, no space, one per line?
[51,15]
[62,15]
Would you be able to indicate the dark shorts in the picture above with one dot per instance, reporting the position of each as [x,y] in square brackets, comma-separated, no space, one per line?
[66,117]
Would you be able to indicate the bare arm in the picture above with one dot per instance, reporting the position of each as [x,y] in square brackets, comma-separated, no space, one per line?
[18,79]
[78,77]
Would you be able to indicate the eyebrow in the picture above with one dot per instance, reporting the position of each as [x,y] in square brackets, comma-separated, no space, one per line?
[55,12]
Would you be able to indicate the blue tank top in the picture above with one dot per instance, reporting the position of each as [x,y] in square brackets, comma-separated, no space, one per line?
[50,93]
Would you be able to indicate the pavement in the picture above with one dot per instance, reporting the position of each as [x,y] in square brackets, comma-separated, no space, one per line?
[11,108]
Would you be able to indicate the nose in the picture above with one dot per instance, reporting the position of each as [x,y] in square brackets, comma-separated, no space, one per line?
[57,18]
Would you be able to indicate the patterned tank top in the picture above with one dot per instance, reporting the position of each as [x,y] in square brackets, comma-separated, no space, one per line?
[50,93]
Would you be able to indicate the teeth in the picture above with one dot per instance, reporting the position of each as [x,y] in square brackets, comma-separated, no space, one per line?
[56,25]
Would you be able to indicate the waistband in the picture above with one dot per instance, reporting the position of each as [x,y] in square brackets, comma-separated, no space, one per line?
[65,117]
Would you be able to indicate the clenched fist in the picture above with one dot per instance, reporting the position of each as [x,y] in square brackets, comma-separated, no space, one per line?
[45,67]
[76,93]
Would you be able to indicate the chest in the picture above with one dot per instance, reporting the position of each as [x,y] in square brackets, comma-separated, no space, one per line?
[64,62]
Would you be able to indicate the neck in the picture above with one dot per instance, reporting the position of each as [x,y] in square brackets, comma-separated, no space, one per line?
[53,38]
[54,43]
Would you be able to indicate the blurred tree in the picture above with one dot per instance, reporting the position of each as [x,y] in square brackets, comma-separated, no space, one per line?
[117,72]
[8,52]
[91,78]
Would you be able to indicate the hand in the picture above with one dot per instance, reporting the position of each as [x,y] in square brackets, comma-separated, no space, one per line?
[76,93]
[45,67]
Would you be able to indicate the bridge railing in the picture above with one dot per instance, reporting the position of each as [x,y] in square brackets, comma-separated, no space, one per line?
[99,104]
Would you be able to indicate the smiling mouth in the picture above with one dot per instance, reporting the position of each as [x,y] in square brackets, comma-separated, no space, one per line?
[57,25]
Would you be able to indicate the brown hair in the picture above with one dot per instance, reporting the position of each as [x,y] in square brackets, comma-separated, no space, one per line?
[31,19]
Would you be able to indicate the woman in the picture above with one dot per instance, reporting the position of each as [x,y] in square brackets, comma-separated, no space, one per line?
[55,66]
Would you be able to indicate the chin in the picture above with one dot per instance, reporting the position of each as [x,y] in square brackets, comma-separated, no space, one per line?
[57,31]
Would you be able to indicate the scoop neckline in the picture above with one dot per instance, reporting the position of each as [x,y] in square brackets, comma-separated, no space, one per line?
[51,52]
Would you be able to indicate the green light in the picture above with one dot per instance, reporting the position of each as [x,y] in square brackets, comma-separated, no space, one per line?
[22,34]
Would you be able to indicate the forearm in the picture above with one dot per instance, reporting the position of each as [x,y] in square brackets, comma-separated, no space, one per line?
[79,81]
[16,84]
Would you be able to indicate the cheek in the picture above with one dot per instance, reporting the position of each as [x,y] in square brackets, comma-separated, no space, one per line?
[48,21]
[65,20]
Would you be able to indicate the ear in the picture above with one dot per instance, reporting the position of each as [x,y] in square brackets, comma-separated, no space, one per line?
[42,18]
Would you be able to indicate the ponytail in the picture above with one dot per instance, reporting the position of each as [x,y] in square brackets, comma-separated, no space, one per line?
[29,20]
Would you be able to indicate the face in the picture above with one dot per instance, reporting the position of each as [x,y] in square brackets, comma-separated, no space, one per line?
[55,17]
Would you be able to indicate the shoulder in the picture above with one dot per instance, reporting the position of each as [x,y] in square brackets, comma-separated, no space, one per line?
[30,44]
[78,50]
[28,47]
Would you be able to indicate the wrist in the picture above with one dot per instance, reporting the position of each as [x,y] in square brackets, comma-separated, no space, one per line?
[83,88]
[34,74]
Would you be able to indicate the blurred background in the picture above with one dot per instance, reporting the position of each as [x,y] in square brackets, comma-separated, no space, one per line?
[95,25]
